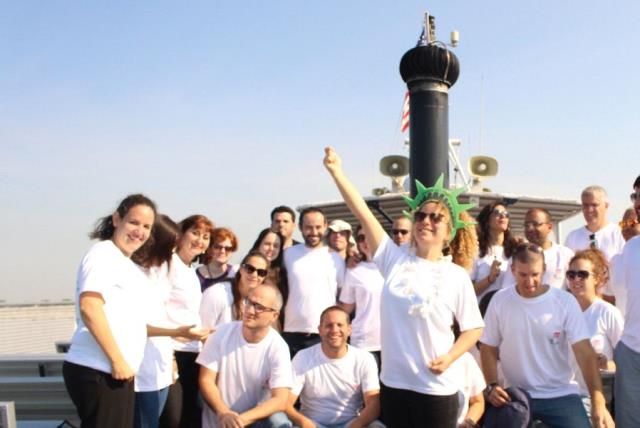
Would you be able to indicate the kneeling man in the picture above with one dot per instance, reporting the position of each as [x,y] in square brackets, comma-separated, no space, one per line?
[242,362]
[337,383]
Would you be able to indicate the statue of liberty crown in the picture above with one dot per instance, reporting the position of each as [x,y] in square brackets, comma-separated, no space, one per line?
[439,193]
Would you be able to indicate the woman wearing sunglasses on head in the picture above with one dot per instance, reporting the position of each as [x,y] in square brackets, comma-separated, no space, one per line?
[495,247]
[223,303]
[216,267]
[423,293]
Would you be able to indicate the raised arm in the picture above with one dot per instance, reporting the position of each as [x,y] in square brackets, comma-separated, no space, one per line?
[372,228]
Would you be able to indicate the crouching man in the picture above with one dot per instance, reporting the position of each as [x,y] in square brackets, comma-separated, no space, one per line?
[337,383]
[244,361]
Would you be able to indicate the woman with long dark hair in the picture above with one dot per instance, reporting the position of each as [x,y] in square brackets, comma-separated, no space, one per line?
[108,345]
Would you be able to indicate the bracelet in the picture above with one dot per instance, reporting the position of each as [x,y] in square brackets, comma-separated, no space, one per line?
[489,389]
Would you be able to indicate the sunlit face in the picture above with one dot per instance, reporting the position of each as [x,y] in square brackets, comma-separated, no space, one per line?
[632,228]
[313,228]
[594,209]
[339,241]
[499,219]
[132,231]
[283,223]
[221,251]
[334,330]
[536,227]
[265,299]
[428,232]
[193,242]
[249,281]
[270,246]
[363,245]
[529,277]
[401,230]
[582,287]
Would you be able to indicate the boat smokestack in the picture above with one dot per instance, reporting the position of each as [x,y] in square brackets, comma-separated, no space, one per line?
[429,70]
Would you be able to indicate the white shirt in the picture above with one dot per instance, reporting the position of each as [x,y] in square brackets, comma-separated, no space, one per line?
[363,287]
[631,279]
[216,305]
[616,286]
[107,271]
[332,390]
[183,306]
[419,301]
[609,240]
[156,370]
[534,337]
[604,325]
[556,260]
[314,275]
[482,268]
[246,372]
[471,383]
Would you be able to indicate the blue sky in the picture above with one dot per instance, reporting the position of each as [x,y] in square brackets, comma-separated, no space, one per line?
[223,108]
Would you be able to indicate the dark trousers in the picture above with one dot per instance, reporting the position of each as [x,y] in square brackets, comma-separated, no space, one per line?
[299,341]
[188,371]
[170,417]
[101,401]
[402,408]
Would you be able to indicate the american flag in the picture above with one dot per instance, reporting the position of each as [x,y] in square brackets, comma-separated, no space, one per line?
[405,113]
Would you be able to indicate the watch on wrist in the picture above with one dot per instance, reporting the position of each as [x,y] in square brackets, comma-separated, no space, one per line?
[490,388]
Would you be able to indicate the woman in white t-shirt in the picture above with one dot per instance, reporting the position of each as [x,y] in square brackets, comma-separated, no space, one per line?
[422,295]
[223,302]
[215,262]
[588,270]
[183,308]
[108,345]
[495,246]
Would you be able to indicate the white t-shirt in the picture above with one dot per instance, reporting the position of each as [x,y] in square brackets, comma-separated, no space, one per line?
[246,371]
[314,274]
[471,383]
[631,279]
[556,259]
[107,271]
[615,286]
[534,337]
[216,305]
[156,370]
[604,325]
[332,390]
[183,306]
[609,240]
[482,268]
[419,301]
[363,286]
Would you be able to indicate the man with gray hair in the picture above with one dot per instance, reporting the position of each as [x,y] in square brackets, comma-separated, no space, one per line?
[598,232]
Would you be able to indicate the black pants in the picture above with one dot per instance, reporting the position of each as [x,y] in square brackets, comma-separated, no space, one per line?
[101,401]
[402,408]
[170,417]
[188,371]
[299,341]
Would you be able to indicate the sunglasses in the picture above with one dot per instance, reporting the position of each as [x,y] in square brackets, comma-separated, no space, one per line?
[399,231]
[435,218]
[593,242]
[573,274]
[257,307]
[634,196]
[500,213]
[627,223]
[360,238]
[219,247]
[251,269]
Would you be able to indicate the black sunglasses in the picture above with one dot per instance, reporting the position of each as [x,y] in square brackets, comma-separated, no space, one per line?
[434,217]
[500,213]
[360,238]
[399,231]
[593,242]
[251,269]
[573,274]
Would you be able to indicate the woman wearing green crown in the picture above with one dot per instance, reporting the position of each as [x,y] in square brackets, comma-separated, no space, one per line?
[422,296]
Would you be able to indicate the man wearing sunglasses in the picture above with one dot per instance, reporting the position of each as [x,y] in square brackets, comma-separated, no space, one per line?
[627,352]
[598,232]
[401,230]
[535,328]
[240,359]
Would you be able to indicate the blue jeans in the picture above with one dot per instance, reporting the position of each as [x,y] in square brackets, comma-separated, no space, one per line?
[560,412]
[149,405]
[627,386]
[277,420]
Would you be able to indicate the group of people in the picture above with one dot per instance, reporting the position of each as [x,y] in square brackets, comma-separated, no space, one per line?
[449,321]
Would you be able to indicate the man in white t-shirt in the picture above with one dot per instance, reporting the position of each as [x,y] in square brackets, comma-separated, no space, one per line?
[534,328]
[314,274]
[598,232]
[627,352]
[337,383]
[245,372]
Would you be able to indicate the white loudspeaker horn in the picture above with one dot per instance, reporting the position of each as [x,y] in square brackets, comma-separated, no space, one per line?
[396,167]
[481,167]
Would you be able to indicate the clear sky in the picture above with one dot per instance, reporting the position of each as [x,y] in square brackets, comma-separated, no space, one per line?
[223,108]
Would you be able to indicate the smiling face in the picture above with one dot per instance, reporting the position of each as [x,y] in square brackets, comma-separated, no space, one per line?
[313,228]
[221,251]
[594,210]
[270,246]
[250,280]
[499,219]
[334,330]
[428,232]
[579,286]
[537,227]
[193,242]
[133,230]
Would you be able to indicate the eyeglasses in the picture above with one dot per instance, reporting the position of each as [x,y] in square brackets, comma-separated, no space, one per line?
[257,307]
[634,196]
[628,223]
[593,242]
[360,238]
[219,247]
[500,213]
[573,274]
[251,269]
[399,231]
[533,223]
[434,217]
